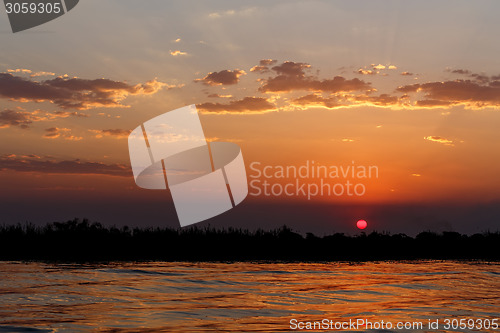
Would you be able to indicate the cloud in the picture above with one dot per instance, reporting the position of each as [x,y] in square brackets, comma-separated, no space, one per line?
[65,133]
[381,100]
[247,105]
[34,165]
[481,78]
[406,73]
[74,93]
[231,13]
[219,96]
[317,100]
[20,156]
[366,71]
[177,53]
[42,74]
[24,119]
[290,68]
[260,69]
[224,77]
[66,114]
[471,94]
[263,66]
[334,102]
[216,15]
[267,62]
[375,69]
[461,71]
[291,76]
[439,139]
[10,118]
[116,133]
[19,70]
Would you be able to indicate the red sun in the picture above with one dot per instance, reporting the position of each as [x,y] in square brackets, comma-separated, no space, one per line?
[361,224]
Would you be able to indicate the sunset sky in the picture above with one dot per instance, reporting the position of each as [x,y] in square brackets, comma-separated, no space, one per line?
[410,87]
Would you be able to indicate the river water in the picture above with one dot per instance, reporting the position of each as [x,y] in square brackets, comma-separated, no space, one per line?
[250,297]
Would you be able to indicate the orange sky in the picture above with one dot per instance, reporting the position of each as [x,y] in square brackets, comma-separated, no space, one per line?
[428,123]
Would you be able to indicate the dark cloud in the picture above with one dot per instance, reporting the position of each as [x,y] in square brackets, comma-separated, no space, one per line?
[51,132]
[10,118]
[290,68]
[74,93]
[292,76]
[461,71]
[20,164]
[460,92]
[481,78]
[245,105]
[225,77]
[406,73]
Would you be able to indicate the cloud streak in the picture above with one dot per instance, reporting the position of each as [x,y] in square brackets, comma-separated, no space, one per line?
[116,133]
[247,105]
[34,165]
[23,119]
[440,140]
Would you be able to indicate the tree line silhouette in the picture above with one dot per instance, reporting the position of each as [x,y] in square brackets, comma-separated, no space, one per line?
[81,241]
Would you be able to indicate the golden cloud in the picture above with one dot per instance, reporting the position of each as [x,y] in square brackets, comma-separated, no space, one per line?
[177,53]
[247,105]
[439,139]
[116,133]
[262,67]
